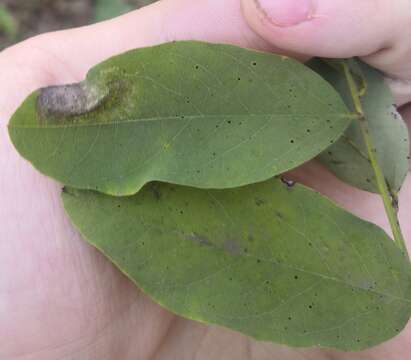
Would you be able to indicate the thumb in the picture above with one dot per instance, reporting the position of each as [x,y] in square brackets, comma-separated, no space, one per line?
[378,31]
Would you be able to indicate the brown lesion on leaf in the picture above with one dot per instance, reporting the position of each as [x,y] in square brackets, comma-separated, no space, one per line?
[70,100]
[232,247]
[200,239]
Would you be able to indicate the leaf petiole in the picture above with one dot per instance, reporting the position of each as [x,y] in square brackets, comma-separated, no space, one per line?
[388,199]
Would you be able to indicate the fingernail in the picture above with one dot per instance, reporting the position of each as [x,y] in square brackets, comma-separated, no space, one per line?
[286,13]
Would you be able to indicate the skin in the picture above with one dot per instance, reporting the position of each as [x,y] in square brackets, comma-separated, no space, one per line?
[59,298]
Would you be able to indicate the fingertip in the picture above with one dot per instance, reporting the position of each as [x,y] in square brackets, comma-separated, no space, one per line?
[285,13]
[338,28]
[284,24]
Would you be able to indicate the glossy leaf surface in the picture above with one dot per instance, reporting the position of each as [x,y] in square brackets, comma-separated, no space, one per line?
[348,157]
[277,262]
[190,113]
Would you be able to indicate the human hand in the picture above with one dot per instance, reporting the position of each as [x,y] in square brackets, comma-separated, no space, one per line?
[59,298]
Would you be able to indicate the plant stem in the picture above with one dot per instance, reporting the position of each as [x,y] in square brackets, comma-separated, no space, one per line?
[388,200]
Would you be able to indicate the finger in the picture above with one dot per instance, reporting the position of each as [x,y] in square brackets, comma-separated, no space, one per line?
[376,30]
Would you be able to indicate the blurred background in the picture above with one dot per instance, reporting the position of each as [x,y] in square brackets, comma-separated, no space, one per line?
[20,19]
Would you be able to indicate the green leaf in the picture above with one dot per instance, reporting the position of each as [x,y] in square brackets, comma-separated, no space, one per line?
[191,113]
[8,23]
[348,157]
[275,261]
[107,9]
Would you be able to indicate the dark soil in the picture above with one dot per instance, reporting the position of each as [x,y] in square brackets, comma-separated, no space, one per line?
[39,16]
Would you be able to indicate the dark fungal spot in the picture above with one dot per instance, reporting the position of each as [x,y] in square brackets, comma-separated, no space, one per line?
[154,188]
[70,100]
[295,277]
[289,183]
[336,162]
[259,202]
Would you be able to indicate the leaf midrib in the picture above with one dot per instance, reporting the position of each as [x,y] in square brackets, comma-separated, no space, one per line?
[186,117]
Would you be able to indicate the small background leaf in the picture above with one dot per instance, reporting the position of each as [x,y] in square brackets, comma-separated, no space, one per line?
[348,158]
[275,262]
[107,9]
[8,24]
[191,113]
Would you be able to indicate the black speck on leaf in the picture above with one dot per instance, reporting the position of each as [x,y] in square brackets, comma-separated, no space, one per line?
[289,183]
